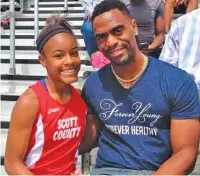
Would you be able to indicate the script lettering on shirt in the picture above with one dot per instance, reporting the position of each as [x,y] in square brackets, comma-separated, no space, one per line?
[67,128]
[139,114]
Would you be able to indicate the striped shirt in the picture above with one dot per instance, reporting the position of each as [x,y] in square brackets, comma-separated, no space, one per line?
[182,46]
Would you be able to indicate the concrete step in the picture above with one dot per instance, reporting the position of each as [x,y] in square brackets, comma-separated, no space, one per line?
[31,42]
[17,36]
[35,61]
[2,170]
[30,24]
[17,87]
[36,69]
[33,54]
[53,11]
[6,109]
[23,14]
[45,15]
[5,120]
[42,23]
[59,3]
[30,48]
[4,133]
[32,27]
[57,8]
[77,32]
[44,19]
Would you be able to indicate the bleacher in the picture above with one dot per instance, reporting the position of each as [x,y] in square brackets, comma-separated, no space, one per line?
[28,69]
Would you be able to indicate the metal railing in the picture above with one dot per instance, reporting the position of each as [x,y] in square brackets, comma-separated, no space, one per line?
[11,14]
[66,4]
[36,17]
[12,69]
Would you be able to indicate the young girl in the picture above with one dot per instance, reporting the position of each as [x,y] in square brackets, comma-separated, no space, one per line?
[48,120]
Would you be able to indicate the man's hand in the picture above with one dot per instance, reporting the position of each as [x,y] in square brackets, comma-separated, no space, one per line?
[148,50]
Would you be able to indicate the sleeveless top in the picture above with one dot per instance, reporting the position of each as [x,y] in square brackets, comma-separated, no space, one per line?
[56,133]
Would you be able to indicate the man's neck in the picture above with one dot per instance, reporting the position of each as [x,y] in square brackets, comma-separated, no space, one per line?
[132,69]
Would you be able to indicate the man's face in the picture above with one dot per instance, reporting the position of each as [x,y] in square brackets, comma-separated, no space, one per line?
[115,34]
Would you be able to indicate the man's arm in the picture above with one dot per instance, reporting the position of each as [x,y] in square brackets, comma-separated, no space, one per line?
[169,12]
[92,129]
[191,5]
[22,120]
[184,127]
[91,134]
[159,28]
[184,137]
[160,34]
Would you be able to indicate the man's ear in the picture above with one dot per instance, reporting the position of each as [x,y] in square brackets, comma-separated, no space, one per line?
[42,60]
[134,26]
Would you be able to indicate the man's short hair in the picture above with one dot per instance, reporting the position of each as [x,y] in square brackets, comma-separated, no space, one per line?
[107,5]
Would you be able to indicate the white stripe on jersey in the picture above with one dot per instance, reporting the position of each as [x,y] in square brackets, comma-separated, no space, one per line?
[36,152]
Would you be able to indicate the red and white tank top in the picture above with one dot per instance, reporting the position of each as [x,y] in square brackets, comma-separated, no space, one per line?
[56,134]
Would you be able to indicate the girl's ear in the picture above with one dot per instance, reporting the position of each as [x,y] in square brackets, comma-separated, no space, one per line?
[42,60]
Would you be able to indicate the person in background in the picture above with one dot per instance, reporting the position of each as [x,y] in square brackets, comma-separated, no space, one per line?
[182,46]
[177,6]
[98,60]
[149,16]
[6,22]
[143,112]
[86,29]
[48,120]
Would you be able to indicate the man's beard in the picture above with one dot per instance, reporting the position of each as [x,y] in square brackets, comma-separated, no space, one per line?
[124,63]
[129,60]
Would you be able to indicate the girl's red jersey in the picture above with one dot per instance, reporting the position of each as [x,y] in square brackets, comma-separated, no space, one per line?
[56,134]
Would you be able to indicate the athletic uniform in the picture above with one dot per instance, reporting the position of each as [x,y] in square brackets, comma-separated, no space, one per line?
[56,133]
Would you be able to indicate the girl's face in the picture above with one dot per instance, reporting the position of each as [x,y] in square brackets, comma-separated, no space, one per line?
[61,59]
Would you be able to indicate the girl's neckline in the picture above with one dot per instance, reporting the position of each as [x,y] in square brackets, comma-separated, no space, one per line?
[42,81]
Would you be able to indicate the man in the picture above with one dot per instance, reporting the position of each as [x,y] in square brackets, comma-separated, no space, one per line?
[143,112]
[182,47]
[177,6]
[149,16]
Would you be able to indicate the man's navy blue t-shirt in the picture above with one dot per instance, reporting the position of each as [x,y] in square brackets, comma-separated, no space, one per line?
[135,131]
